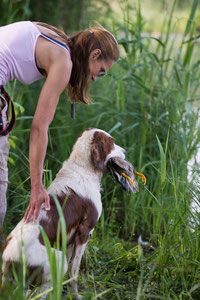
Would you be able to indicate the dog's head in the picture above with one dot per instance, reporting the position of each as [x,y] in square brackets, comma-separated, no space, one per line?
[97,148]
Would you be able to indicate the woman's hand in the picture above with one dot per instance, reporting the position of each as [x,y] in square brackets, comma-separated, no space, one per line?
[38,196]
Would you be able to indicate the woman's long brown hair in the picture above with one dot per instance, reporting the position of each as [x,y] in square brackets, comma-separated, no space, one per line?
[81,44]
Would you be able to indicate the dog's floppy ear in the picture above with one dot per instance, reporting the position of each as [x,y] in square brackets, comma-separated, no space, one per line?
[96,156]
[101,146]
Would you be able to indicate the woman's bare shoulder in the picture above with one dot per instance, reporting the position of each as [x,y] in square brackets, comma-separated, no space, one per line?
[48,53]
[47,31]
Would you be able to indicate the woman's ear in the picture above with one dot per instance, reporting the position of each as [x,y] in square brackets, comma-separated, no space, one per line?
[94,54]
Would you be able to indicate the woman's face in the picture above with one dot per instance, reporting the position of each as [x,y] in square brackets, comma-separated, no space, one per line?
[98,67]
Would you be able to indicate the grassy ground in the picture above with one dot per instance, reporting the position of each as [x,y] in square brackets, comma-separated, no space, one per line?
[145,246]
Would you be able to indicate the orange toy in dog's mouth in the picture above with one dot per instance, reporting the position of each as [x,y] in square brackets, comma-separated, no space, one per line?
[123,172]
[144,180]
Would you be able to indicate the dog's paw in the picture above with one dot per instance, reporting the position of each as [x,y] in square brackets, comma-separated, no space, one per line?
[74,291]
[77,296]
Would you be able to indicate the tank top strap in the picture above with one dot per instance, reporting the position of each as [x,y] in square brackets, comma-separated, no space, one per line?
[55,41]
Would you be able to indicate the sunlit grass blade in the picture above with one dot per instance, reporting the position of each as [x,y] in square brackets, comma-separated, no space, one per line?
[191,17]
[163,161]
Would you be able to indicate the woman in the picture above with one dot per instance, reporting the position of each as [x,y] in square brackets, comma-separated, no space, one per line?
[30,51]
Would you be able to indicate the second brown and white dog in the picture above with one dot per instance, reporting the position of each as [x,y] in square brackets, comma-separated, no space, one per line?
[80,181]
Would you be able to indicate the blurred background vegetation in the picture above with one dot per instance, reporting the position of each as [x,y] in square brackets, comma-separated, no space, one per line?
[150,103]
[78,14]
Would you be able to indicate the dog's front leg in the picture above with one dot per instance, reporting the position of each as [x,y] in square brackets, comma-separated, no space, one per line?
[80,242]
[76,259]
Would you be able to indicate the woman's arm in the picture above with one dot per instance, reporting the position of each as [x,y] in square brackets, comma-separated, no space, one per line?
[57,79]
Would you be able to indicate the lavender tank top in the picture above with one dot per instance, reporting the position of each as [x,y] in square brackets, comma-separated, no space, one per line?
[17,52]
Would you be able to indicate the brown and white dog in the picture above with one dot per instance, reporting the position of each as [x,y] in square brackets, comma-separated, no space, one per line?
[79,179]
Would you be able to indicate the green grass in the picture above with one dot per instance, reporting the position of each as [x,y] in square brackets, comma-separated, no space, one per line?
[150,104]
